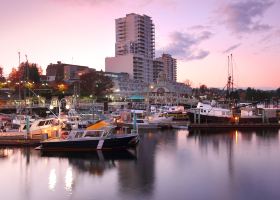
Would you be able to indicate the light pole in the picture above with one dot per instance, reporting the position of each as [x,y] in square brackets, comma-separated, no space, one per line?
[59,110]
[151,87]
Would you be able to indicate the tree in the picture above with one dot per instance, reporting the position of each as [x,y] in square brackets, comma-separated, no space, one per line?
[203,88]
[188,82]
[96,84]
[26,72]
[2,78]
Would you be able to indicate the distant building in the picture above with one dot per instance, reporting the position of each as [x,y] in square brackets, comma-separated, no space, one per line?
[162,91]
[65,72]
[125,87]
[134,48]
[166,92]
[169,67]
[157,68]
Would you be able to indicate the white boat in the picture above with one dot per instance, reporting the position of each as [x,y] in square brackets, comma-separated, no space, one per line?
[142,124]
[159,118]
[49,127]
[211,113]
[179,127]
[21,119]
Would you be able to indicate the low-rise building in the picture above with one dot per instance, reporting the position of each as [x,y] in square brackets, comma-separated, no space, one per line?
[64,72]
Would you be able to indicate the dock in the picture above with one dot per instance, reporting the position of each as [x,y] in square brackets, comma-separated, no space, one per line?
[7,139]
[220,126]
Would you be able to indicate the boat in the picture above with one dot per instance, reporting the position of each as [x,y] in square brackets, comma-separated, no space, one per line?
[241,114]
[48,127]
[100,136]
[141,123]
[159,118]
[209,113]
[179,127]
[229,111]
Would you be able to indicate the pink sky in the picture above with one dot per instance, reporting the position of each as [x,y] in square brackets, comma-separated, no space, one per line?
[196,32]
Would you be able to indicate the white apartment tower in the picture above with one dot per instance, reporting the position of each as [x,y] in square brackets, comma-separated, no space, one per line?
[134,48]
[169,67]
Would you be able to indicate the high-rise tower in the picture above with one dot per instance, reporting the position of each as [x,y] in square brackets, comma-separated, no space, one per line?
[134,48]
[169,67]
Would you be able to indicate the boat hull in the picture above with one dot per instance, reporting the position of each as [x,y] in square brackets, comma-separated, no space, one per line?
[91,144]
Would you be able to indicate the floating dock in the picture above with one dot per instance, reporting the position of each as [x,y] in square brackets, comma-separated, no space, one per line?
[234,126]
[7,139]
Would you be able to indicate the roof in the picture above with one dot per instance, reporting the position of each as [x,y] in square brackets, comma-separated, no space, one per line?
[136,97]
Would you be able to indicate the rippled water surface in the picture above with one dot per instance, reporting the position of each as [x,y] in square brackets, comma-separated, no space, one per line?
[167,164]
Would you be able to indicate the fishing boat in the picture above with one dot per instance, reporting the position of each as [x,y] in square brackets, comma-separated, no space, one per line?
[100,136]
[230,111]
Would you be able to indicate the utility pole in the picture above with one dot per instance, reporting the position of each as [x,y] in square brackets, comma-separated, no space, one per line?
[19,96]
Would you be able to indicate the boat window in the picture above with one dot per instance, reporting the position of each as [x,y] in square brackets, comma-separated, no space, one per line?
[139,121]
[93,134]
[41,123]
[79,135]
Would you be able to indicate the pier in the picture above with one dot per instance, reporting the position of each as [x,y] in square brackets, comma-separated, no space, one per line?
[18,139]
[234,126]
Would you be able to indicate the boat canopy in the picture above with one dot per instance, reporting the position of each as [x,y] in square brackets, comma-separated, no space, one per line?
[98,125]
[136,97]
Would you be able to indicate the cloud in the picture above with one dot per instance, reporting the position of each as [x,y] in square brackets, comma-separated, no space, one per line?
[85,2]
[184,45]
[272,36]
[245,16]
[229,49]
[138,3]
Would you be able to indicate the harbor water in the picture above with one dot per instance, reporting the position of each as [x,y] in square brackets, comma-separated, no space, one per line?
[167,164]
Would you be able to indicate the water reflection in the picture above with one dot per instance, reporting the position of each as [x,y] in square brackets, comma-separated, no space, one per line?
[94,163]
[137,179]
[167,164]
[52,180]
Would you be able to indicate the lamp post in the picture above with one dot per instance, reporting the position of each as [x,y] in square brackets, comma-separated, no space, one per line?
[59,109]
[151,87]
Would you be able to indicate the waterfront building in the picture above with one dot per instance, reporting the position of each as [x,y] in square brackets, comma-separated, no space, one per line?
[169,67]
[163,91]
[166,92]
[64,72]
[126,88]
[134,48]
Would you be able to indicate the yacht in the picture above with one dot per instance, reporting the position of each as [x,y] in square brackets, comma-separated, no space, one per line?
[48,127]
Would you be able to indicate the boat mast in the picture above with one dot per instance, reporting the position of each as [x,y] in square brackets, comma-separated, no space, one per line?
[230,79]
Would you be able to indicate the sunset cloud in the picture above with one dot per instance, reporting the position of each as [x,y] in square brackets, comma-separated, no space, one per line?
[246,16]
[184,45]
[231,48]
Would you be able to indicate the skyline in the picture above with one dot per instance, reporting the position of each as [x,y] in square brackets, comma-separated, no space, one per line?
[200,35]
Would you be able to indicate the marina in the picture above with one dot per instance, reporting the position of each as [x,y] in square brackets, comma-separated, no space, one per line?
[97,103]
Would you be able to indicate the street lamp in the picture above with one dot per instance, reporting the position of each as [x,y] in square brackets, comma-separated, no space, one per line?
[59,106]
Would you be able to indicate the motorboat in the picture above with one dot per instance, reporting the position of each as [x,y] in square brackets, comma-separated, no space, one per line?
[159,118]
[100,136]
